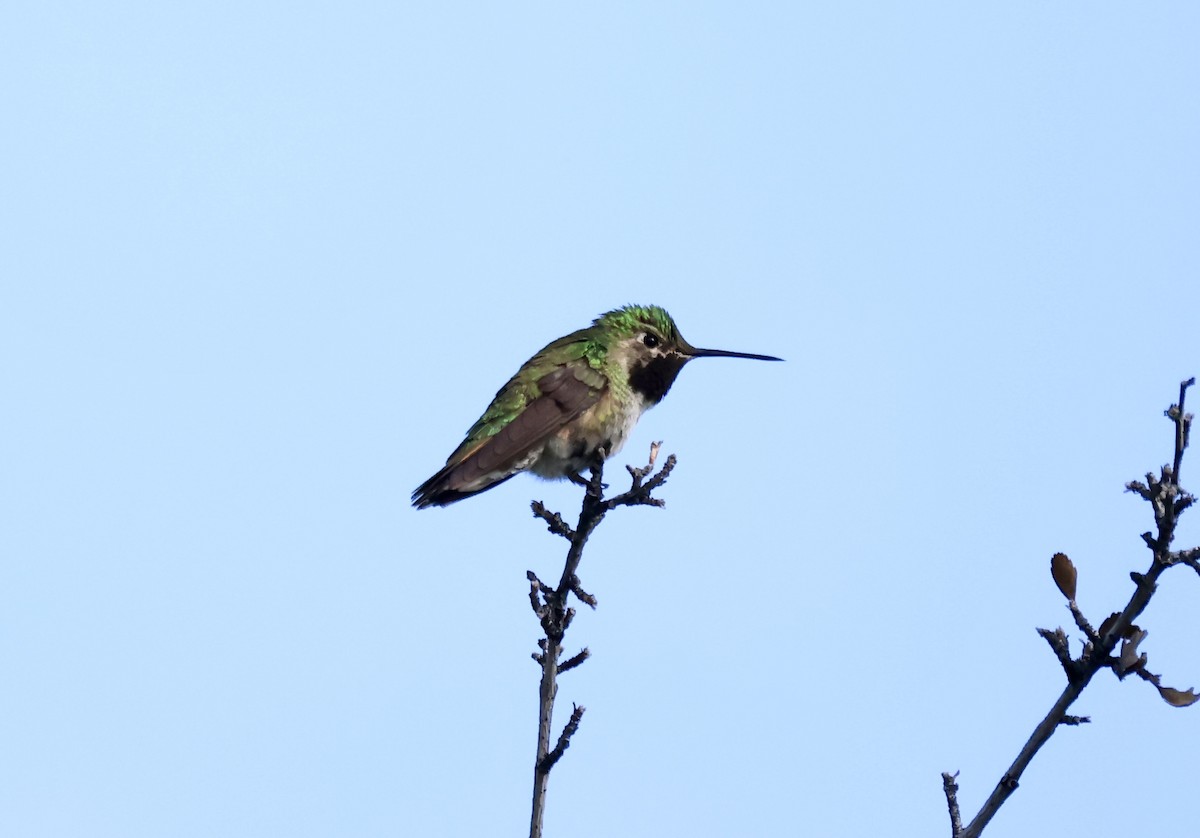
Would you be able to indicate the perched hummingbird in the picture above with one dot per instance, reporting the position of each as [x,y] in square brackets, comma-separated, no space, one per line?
[579,397]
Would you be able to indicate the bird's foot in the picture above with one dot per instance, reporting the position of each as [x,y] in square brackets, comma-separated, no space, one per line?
[579,480]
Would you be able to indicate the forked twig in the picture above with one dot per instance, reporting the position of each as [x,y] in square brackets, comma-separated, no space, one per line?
[550,606]
[1168,500]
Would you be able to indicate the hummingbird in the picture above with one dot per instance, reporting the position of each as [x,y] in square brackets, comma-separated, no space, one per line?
[575,400]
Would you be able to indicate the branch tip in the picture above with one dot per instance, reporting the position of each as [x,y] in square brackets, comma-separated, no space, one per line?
[564,739]
[950,787]
[575,660]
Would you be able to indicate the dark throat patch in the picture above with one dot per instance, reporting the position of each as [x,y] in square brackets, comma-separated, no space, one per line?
[654,378]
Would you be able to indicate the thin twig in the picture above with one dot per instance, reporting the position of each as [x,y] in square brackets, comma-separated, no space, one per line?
[550,606]
[1168,500]
[564,738]
[1183,426]
[1058,642]
[1082,622]
[554,521]
[951,789]
[574,661]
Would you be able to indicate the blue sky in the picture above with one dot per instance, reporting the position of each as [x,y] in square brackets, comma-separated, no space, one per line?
[265,263]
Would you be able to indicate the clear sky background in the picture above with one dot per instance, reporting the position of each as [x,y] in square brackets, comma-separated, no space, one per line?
[264,263]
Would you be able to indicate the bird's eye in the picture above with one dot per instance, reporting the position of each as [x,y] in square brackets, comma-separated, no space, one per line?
[651,341]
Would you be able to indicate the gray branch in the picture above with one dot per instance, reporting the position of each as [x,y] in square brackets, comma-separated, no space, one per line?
[550,607]
[1168,500]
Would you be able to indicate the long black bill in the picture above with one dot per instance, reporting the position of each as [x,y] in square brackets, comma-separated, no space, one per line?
[721,353]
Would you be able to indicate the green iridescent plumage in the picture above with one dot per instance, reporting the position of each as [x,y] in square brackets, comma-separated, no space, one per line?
[579,396]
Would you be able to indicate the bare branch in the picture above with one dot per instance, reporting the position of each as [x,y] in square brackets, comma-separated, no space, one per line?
[574,661]
[535,590]
[554,521]
[582,595]
[1058,642]
[564,738]
[1082,622]
[951,789]
[1191,561]
[1168,501]
[550,605]
[1183,425]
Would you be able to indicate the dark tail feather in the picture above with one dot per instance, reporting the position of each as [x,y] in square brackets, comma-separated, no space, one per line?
[436,490]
